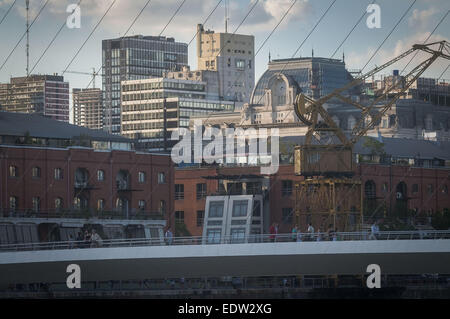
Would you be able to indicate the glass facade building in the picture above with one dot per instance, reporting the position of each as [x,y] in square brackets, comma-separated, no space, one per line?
[133,58]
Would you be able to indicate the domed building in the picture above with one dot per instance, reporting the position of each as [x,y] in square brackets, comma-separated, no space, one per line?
[273,97]
[414,116]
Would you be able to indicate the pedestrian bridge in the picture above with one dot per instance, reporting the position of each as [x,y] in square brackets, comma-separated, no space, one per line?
[394,252]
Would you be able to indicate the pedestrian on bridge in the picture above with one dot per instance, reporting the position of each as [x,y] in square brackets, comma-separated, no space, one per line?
[299,236]
[311,232]
[374,229]
[87,239]
[319,235]
[96,240]
[294,233]
[272,231]
[331,234]
[169,236]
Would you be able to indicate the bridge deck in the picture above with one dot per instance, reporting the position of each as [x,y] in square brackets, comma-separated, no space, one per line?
[249,259]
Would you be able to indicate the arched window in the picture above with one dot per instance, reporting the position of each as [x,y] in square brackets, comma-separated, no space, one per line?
[370,190]
[278,92]
[36,172]
[162,207]
[100,175]
[100,204]
[58,203]
[401,191]
[392,120]
[13,203]
[121,204]
[13,171]
[123,180]
[351,122]
[36,202]
[80,202]
[81,177]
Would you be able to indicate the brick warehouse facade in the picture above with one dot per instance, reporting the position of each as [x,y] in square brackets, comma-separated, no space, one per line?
[42,179]
[421,189]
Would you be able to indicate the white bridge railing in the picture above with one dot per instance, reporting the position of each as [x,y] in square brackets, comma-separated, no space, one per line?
[200,240]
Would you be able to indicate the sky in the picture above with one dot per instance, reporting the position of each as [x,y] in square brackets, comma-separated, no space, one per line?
[415,27]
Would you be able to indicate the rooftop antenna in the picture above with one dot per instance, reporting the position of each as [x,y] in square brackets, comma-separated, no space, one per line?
[269,55]
[93,77]
[226,16]
[27,3]
[343,56]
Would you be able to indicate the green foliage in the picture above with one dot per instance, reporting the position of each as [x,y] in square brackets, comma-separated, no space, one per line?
[181,230]
[375,147]
[441,221]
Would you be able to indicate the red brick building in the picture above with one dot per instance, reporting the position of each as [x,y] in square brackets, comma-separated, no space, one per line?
[43,179]
[424,190]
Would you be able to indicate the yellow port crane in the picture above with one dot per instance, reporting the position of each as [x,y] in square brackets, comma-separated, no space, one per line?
[326,157]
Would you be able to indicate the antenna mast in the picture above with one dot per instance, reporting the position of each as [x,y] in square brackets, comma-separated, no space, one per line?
[226,16]
[27,2]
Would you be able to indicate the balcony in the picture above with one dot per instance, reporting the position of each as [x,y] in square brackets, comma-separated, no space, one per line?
[81,179]
[123,181]
[123,185]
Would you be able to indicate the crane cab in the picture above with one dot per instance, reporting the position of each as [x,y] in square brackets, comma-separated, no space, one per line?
[323,160]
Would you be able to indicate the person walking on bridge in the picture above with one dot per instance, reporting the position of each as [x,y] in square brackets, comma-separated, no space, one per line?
[169,237]
[374,229]
[311,232]
[272,232]
[294,233]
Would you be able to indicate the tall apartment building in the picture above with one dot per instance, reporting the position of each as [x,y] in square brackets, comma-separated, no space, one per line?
[88,108]
[43,94]
[233,57]
[153,108]
[133,58]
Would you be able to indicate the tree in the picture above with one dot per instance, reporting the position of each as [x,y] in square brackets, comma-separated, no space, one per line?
[375,147]
[181,230]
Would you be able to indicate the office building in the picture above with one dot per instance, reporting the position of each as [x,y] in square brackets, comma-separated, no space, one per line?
[133,58]
[153,108]
[232,56]
[43,94]
[88,108]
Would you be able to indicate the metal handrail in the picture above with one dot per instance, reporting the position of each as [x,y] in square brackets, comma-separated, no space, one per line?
[82,214]
[200,240]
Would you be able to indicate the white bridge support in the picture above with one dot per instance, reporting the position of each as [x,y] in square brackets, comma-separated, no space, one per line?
[259,259]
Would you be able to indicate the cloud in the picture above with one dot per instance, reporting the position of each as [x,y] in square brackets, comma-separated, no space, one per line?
[358,60]
[420,18]
[267,13]
[263,17]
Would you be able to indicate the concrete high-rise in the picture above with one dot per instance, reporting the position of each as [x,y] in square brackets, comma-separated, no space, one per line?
[133,58]
[43,94]
[233,57]
[88,108]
